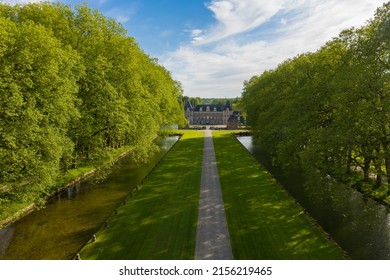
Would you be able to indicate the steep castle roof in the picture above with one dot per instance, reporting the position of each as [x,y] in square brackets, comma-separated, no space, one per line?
[188,106]
[211,108]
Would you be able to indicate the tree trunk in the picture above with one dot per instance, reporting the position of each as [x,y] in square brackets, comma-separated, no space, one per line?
[378,168]
[75,159]
[366,168]
[387,165]
[378,161]
[349,162]
[387,158]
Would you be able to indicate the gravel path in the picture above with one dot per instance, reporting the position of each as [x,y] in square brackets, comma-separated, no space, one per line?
[212,236]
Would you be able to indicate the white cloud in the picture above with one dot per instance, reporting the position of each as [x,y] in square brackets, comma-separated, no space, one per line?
[196,32]
[237,16]
[250,36]
[220,72]
[238,46]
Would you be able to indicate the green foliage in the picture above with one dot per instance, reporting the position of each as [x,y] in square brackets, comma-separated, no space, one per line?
[37,90]
[328,112]
[193,100]
[74,86]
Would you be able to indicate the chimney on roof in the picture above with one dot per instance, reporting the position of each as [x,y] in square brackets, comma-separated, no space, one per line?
[228,105]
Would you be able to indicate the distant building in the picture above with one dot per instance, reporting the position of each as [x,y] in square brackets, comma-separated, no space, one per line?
[233,120]
[209,114]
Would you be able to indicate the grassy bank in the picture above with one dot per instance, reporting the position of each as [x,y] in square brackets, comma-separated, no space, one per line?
[264,221]
[159,220]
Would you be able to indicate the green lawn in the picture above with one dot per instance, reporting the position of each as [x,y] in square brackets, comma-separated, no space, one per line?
[264,221]
[159,221]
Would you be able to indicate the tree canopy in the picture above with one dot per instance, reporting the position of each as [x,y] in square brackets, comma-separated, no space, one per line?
[74,85]
[328,112]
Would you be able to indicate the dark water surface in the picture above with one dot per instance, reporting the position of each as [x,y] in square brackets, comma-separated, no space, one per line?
[360,225]
[68,221]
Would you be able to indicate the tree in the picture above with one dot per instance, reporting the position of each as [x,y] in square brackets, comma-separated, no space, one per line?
[37,88]
[73,87]
[328,112]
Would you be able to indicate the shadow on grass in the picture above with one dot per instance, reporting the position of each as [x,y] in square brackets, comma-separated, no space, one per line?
[264,221]
[159,221]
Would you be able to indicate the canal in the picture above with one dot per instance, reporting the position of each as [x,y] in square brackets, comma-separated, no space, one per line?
[360,225]
[69,220]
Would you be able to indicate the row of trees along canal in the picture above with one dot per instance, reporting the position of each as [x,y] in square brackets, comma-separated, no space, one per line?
[73,87]
[328,112]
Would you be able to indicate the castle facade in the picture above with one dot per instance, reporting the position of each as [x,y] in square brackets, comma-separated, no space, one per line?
[208,114]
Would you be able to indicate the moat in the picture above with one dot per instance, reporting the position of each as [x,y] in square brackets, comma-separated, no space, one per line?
[68,221]
[360,225]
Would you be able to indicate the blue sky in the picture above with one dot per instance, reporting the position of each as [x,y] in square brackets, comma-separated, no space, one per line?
[213,46]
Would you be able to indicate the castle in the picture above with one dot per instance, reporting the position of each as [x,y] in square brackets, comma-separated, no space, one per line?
[211,115]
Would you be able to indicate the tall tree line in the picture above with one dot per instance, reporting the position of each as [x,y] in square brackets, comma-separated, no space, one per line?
[328,112]
[74,85]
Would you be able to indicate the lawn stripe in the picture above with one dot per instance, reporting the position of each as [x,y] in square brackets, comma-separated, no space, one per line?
[264,221]
[159,221]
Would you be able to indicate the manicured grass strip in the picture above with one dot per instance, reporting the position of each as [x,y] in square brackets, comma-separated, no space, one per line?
[159,221]
[264,221]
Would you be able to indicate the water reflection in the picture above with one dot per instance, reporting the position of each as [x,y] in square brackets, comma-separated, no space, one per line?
[359,224]
[69,219]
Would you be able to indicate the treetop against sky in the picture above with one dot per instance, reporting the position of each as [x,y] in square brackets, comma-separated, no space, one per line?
[213,46]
